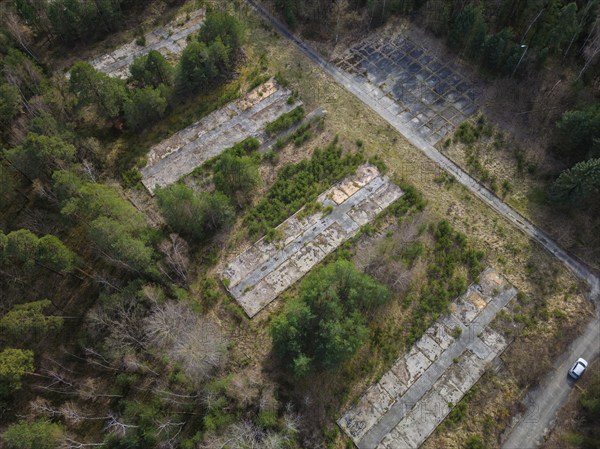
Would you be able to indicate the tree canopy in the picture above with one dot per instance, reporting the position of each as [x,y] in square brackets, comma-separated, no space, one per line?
[194,214]
[38,434]
[327,323]
[14,364]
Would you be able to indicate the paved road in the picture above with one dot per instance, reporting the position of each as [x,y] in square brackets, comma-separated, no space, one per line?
[545,401]
[554,389]
[354,85]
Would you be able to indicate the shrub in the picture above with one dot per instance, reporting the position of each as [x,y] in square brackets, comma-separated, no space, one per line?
[284,121]
[298,184]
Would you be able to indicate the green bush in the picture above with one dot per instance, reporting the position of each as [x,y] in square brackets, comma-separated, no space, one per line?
[285,121]
[326,324]
[298,184]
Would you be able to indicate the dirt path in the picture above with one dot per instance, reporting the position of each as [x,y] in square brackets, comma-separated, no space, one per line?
[554,390]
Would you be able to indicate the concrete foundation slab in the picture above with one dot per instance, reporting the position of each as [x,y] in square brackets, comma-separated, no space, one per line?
[169,41]
[246,117]
[423,385]
[258,275]
[400,72]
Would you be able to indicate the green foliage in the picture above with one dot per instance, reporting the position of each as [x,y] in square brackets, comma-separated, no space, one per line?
[207,59]
[144,106]
[38,434]
[114,225]
[222,26]
[578,183]
[196,68]
[590,401]
[576,132]
[22,247]
[451,252]
[39,155]
[25,320]
[94,88]
[116,239]
[267,419]
[14,364]
[475,442]
[236,176]
[194,214]
[326,324]
[412,200]
[466,133]
[285,121]
[73,21]
[10,103]
[151,70]
[52,253]
[298,184]
[8,185]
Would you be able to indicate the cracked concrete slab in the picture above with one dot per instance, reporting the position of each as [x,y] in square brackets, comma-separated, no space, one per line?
[245,117]
[438,370]
[169,40]
[258,275]
[416,86]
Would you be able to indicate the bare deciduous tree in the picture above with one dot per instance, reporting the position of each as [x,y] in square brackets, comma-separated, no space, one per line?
[193,341]
[176,251]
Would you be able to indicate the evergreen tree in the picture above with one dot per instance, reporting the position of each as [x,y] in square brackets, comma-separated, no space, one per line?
[39,155]
[575,133]
[195,215]
[151,70]
[223,26]
[236,176]
[98,89]
[196,68]
[14,364]
[579,183]
[39,434]
[144,107]
[10,103]
[326,324]
[26,320]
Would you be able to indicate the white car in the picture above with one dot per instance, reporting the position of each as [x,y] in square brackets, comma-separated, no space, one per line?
[577,370]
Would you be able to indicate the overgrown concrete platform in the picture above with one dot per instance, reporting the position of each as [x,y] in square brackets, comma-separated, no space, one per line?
[258,275]
[169,40]
[191,147]
[426,93]
[417,393]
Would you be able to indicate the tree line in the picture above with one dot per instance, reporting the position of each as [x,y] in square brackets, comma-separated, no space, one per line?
[74,21]
[500,36]
[154,84]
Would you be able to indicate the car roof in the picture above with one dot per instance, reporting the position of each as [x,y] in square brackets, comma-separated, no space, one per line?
[579,367]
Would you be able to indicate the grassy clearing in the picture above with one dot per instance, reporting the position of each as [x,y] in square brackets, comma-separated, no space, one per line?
[522,181]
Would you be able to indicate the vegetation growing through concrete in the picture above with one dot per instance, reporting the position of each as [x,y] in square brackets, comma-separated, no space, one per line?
[285,121]
[298,184]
